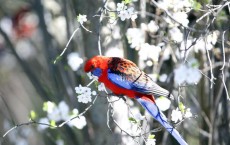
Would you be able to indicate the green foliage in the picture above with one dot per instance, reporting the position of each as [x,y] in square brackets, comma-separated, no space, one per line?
[196,5]
[53,123]
[127,1]
[33,115]
[112,15]
[45,106]
[151,136]
[133,120]
[57,59]
[181,107]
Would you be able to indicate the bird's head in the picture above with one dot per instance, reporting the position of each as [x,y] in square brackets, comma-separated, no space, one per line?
[96,65]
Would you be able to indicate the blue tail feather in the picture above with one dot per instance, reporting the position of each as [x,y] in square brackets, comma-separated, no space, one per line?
[160,117]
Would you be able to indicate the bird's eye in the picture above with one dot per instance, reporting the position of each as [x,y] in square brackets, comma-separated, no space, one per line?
[92,67]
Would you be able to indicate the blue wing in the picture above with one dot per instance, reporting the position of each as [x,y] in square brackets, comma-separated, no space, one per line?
[126,74]
[154,111]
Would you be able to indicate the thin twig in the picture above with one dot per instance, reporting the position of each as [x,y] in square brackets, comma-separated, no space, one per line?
[91,82]
[58,126]
[222,69]
[86,109]
[210,64]
[67,45]
[171,17]
[86,28]
[27,123]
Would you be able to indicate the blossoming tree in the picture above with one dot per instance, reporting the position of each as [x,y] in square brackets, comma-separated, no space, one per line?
[183,45]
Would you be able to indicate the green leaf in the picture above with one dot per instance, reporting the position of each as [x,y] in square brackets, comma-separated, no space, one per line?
[127,1]
[133,120]
[45,106]
[53,123]
[57,59]
[96,83]
[196,5]
[195,65]
[33,115]
[112,15]
[181,107]
[151,136]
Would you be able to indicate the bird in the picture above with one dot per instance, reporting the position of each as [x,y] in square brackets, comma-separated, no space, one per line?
[123,77]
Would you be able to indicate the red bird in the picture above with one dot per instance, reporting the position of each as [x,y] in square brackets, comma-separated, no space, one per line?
[122,76]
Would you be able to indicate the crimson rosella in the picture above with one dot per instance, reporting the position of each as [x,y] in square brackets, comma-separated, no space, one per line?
[123,77]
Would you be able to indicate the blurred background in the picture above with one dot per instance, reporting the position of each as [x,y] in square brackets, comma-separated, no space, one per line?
[183,45]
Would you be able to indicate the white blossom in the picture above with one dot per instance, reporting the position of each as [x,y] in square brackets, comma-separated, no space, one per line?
[187,74]
[45,121]
[167,53]
[180,75]
[54,115]
[123,15]
[101,87]
[94,93]
[61,112]
[175,5]
[176,115]
[135,37]
[64,110]
[212,38]
[151,141]
[207,43]
[131,14]
[81,18]
[163,103]
[126,13]
[58,113]
[84,94]
[176,34]
[84,98]
[121,6]
[152,26]
[75,112]
[50,106]
[79,122]
[79,89]
[149,51]
[134,16]
[188,113]
[181,17]
[193,76]
[114,52]
[74,61]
